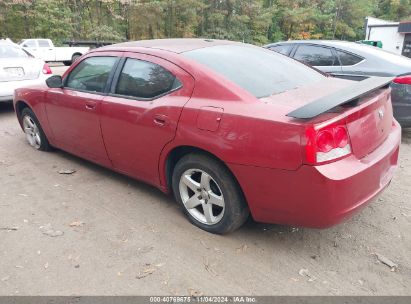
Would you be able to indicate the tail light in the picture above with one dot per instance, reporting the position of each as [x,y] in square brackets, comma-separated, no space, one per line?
[327,143]
[406,79]
[46,69]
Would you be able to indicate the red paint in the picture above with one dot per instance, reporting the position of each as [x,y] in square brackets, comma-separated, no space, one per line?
[209,118]
[264,149]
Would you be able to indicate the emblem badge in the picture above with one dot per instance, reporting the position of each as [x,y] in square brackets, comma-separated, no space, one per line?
[381,113]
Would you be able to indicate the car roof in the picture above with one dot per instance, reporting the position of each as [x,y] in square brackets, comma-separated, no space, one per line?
[178,45]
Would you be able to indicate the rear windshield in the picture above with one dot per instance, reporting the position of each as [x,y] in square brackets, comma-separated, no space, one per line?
[11,51]
[259,71]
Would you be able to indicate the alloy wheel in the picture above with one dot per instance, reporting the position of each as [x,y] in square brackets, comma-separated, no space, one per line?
[32,132]
[202,196]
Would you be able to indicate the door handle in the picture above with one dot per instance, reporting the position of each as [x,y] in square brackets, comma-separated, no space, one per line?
[90,106]
[161,120]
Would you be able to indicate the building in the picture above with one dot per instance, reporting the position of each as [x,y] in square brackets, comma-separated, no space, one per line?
[395,36]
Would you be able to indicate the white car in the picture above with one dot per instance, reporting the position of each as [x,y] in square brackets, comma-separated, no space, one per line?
[45,49]
[19,69]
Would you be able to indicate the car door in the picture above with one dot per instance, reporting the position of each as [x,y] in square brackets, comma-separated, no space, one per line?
[141,113]
[46,50]
[320,57]
[73,111]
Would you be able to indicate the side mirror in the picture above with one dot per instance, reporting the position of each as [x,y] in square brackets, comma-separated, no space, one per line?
[54,81]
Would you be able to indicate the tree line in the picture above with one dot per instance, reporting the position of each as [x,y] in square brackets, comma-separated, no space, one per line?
[251,21]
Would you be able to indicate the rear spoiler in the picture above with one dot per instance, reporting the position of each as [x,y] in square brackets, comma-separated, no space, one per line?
[343,96]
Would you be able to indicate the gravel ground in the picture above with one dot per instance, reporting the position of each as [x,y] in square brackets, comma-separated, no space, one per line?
[95,232]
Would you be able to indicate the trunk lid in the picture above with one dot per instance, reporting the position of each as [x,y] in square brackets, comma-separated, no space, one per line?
[18,69]
[370,122]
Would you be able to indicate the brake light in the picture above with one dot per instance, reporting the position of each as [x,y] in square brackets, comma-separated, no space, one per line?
[326,143]
[46,69]
[406,79]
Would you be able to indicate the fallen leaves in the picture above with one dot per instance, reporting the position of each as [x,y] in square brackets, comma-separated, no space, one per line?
[8,229]
[148,270]
[208,267]
[67,171]
[49,231]
[306,273]
[386,261]
[194,292]
[76,224]
[242,248]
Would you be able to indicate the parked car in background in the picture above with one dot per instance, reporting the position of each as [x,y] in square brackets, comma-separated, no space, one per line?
[356,61]
[214,123]
[18,69]
[45,49]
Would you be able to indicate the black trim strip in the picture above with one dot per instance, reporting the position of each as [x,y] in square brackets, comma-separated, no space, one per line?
[343,96]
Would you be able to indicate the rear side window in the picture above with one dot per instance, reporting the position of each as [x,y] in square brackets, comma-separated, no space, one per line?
[146,80]
[348,59]
[282,49]
[259,71]
[44,43]
[91,74]
[315,55]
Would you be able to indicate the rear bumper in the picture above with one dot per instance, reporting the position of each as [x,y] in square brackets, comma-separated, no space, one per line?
[7,88]
[319,196]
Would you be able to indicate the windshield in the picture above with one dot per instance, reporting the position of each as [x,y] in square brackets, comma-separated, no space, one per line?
[259,71]
[11,51]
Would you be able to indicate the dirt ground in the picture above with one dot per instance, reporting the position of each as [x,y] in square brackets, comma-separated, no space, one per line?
[96,232]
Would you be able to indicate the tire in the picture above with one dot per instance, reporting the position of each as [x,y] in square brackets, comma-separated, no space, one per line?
[201,183]
[67,63]
[34,133]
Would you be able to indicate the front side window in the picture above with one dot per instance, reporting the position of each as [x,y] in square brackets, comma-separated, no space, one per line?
[145,80]
[348,59]
[44,43]
[91,74]
[30,43]
[315,55]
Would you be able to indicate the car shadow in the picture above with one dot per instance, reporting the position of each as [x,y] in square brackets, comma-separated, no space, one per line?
[406,135]
[6,107]
[251,226]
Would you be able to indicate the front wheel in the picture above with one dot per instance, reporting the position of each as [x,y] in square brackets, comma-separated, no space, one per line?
[34,133]
[209,194]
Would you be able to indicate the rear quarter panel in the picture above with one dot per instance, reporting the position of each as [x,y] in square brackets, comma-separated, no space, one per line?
[249,132]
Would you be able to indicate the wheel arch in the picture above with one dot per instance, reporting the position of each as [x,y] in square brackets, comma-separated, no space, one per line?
[176,153]
[76,54]
[19,107]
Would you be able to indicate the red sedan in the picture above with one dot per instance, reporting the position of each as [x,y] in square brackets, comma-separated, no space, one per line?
[229,128]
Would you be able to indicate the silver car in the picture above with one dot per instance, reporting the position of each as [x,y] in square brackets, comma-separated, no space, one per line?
[355,61]
[19,69]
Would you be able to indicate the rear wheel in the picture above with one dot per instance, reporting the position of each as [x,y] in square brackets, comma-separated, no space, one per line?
[67,63]
[209,194]
[34,133]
